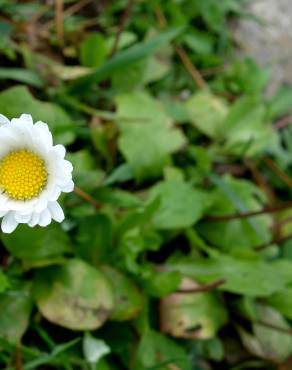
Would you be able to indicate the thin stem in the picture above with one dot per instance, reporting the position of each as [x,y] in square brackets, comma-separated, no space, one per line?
[59,18]
[18,359]
[203,288]
[277,240]
[282,223]
[192,70]
[274,209]
[274,327]
[122,26]
[260,180]
[189,66]
[103,114]
[279,172]
[283,122]
[76,7]
[87,197]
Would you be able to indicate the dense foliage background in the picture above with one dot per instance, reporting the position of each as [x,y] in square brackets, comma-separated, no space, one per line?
[176,251]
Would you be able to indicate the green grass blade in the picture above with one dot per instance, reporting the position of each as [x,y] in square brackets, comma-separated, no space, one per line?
[21,75]
[124,59]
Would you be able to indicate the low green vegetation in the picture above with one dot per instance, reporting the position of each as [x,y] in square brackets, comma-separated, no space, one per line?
[176,250]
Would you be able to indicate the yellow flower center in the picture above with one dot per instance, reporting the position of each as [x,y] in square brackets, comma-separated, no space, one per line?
[23,174]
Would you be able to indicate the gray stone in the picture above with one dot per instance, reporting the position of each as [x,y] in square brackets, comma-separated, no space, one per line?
[268,38]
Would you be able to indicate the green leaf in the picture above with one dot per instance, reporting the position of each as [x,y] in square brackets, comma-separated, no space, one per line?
[76,295]
[4,284]
[124,59]
[126,39]
[181,205]
[93,50]
[94,238]
[36,244]
[240,273]
[21,75]
[17,100]
[148,141]
[156,351]
[282,301]
[128,299]
[247,132]
[266,342]
[192,315]
[15,309]
[139,107]
[280,103]
[159,284]
[232,196]
[199,42]
[207,113]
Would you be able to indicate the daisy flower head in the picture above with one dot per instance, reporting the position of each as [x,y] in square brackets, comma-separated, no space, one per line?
[33,174]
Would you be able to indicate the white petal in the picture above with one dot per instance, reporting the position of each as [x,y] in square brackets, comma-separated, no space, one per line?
[9,223]
[56,211]
[22,130]
[22,219]
[41,205]
[60,149]
[34,219]
[44,133]
[26,118]
[3,120]
[45,218]
[68,187]
[55,193]
[67,166]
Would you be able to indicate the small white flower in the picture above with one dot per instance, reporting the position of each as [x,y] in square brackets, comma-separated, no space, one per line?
[33,173]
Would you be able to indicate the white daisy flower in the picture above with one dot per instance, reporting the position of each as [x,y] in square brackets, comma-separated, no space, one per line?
[33,173]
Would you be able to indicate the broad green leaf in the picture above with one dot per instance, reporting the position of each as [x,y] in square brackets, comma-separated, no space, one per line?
[93,50]
[132,247]
[199,42]
[192,315]
[155,69]
[240,273]
[280,103]
[181,205]
[4,284]
[76,295]
[82,161]
[244,76]
[282,301]
[147,147]
[126,39]
[36,244]
[139,107]
[211,348]
[85,172]
[266,342]
[246,129]
[94,238]
[207,113]
[15,309]
[125,58]
[161,283]
[18,100]
[230,197]
[121,173]
[128,299]
[129,78]
[158,352]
